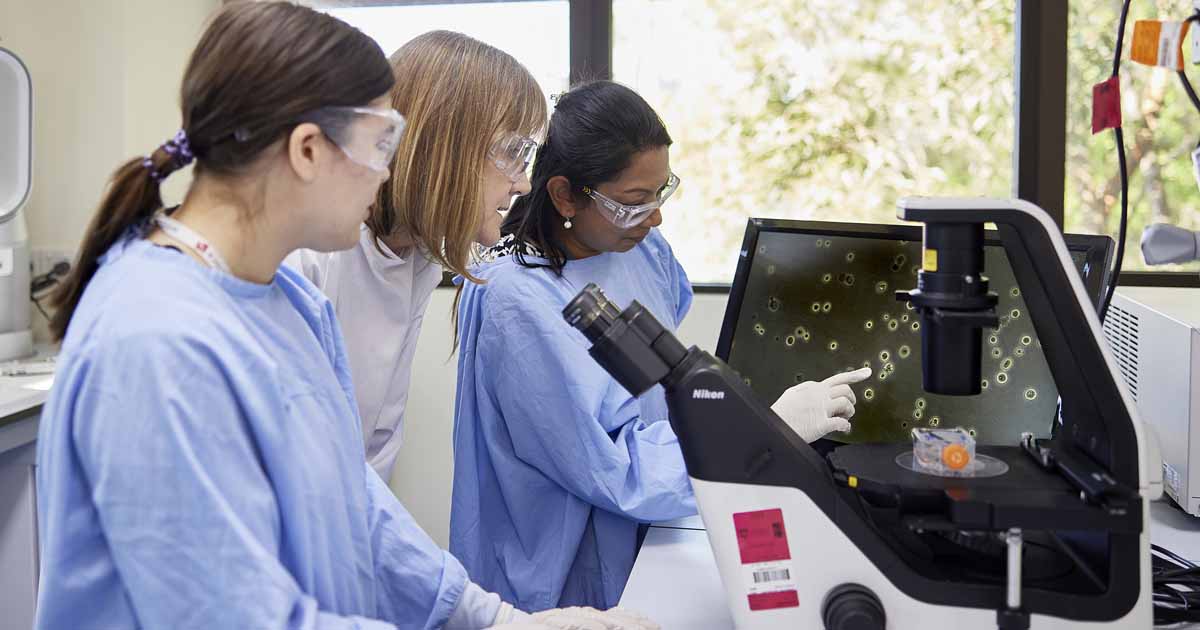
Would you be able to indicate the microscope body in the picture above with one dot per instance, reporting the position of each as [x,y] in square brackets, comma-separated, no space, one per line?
[802,539]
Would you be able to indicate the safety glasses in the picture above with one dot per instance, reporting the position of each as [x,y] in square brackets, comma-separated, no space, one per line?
[624,216]
[368,136]
[513,154]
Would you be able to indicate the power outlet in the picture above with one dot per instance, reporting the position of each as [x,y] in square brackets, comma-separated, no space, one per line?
[44,259]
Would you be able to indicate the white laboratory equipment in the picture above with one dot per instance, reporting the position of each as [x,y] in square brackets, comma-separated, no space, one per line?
[16,178]
[1154,334]
[847,539]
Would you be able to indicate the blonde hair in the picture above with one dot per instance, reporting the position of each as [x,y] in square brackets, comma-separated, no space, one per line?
[458,96]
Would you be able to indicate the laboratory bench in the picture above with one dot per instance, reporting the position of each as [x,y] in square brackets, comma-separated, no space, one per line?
[675,580]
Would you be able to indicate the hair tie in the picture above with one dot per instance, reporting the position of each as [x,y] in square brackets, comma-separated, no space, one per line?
[179,148]
[179,153]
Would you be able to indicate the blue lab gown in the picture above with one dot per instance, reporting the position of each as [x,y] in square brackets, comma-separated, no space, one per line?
[201,465]
[555,463]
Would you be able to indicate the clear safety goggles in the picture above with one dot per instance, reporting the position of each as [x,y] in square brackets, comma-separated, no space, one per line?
[624,216]
[513,154]
[369,136]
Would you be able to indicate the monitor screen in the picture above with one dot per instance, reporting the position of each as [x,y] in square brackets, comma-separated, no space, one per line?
[811,299]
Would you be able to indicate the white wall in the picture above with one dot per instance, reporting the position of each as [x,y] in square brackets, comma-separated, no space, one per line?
[106,77]
[424,472]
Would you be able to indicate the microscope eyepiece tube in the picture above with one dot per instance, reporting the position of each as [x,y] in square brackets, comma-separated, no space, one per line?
[631,345]
[591,313]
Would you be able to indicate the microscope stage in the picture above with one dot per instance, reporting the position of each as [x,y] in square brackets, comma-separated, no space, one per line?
[1027,496]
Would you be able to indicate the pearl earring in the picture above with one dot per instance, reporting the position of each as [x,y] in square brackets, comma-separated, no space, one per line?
[567,224]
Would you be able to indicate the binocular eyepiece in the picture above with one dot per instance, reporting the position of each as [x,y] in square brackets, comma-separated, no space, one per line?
[631,345]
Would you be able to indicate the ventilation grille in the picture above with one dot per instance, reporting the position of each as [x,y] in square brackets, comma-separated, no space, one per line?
[1122,329]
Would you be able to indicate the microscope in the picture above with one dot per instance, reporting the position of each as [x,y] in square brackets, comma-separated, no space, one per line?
[850,540]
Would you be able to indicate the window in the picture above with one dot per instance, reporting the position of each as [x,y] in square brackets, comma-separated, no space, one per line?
[1160,129]
[821,109]
[534,32]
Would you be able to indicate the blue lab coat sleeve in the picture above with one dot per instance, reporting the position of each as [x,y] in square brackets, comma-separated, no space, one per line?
[189,514]
[414,574]
[570,420]
[419,583]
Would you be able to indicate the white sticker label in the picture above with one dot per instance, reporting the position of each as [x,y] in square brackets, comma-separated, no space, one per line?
[1168,43]
[1196,159]
[6,262]
[769,577]
[1196,40]
[1171,479]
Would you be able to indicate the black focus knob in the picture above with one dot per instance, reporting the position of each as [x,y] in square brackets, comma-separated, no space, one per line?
[853,607]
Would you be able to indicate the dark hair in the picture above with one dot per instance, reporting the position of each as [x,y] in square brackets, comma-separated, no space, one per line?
[595,131]
[257,70]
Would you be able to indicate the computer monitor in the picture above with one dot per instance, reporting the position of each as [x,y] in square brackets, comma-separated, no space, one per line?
[811,299]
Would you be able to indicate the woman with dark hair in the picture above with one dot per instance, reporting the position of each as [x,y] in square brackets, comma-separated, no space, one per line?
[555,463]
[200,455]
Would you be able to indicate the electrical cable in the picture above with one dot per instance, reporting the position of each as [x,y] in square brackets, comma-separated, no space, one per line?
[40,285]
[1170,555]
[1124,172]
[1187,85]
[1176,587]
[38,304]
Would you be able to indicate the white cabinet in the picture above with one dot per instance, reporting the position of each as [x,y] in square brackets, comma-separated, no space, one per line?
[18,524]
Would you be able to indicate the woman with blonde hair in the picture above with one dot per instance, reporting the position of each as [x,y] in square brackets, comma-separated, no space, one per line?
[473,112]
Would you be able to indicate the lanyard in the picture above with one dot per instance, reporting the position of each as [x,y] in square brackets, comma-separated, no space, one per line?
[193,240]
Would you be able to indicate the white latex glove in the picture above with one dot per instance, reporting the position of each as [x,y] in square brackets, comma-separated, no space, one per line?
[582,619]
[813,409]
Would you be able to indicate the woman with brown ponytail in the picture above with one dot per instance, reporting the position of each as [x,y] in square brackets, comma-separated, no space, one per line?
[200,456]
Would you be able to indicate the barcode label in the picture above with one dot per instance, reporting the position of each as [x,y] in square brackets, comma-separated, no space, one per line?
[781,575]
[769,577]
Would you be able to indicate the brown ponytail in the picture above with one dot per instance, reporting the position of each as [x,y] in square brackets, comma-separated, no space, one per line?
[132,197]
[257,70]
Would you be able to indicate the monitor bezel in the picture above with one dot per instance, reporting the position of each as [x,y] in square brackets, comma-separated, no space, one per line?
[1099,250]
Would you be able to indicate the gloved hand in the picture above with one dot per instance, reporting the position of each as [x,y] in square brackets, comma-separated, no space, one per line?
[577,618]
[813,409]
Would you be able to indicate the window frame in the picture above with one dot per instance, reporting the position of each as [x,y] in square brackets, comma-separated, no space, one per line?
[1040,103]
[590,24]
[1040,146]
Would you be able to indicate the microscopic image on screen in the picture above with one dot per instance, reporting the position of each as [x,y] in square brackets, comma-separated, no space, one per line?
[818,305]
